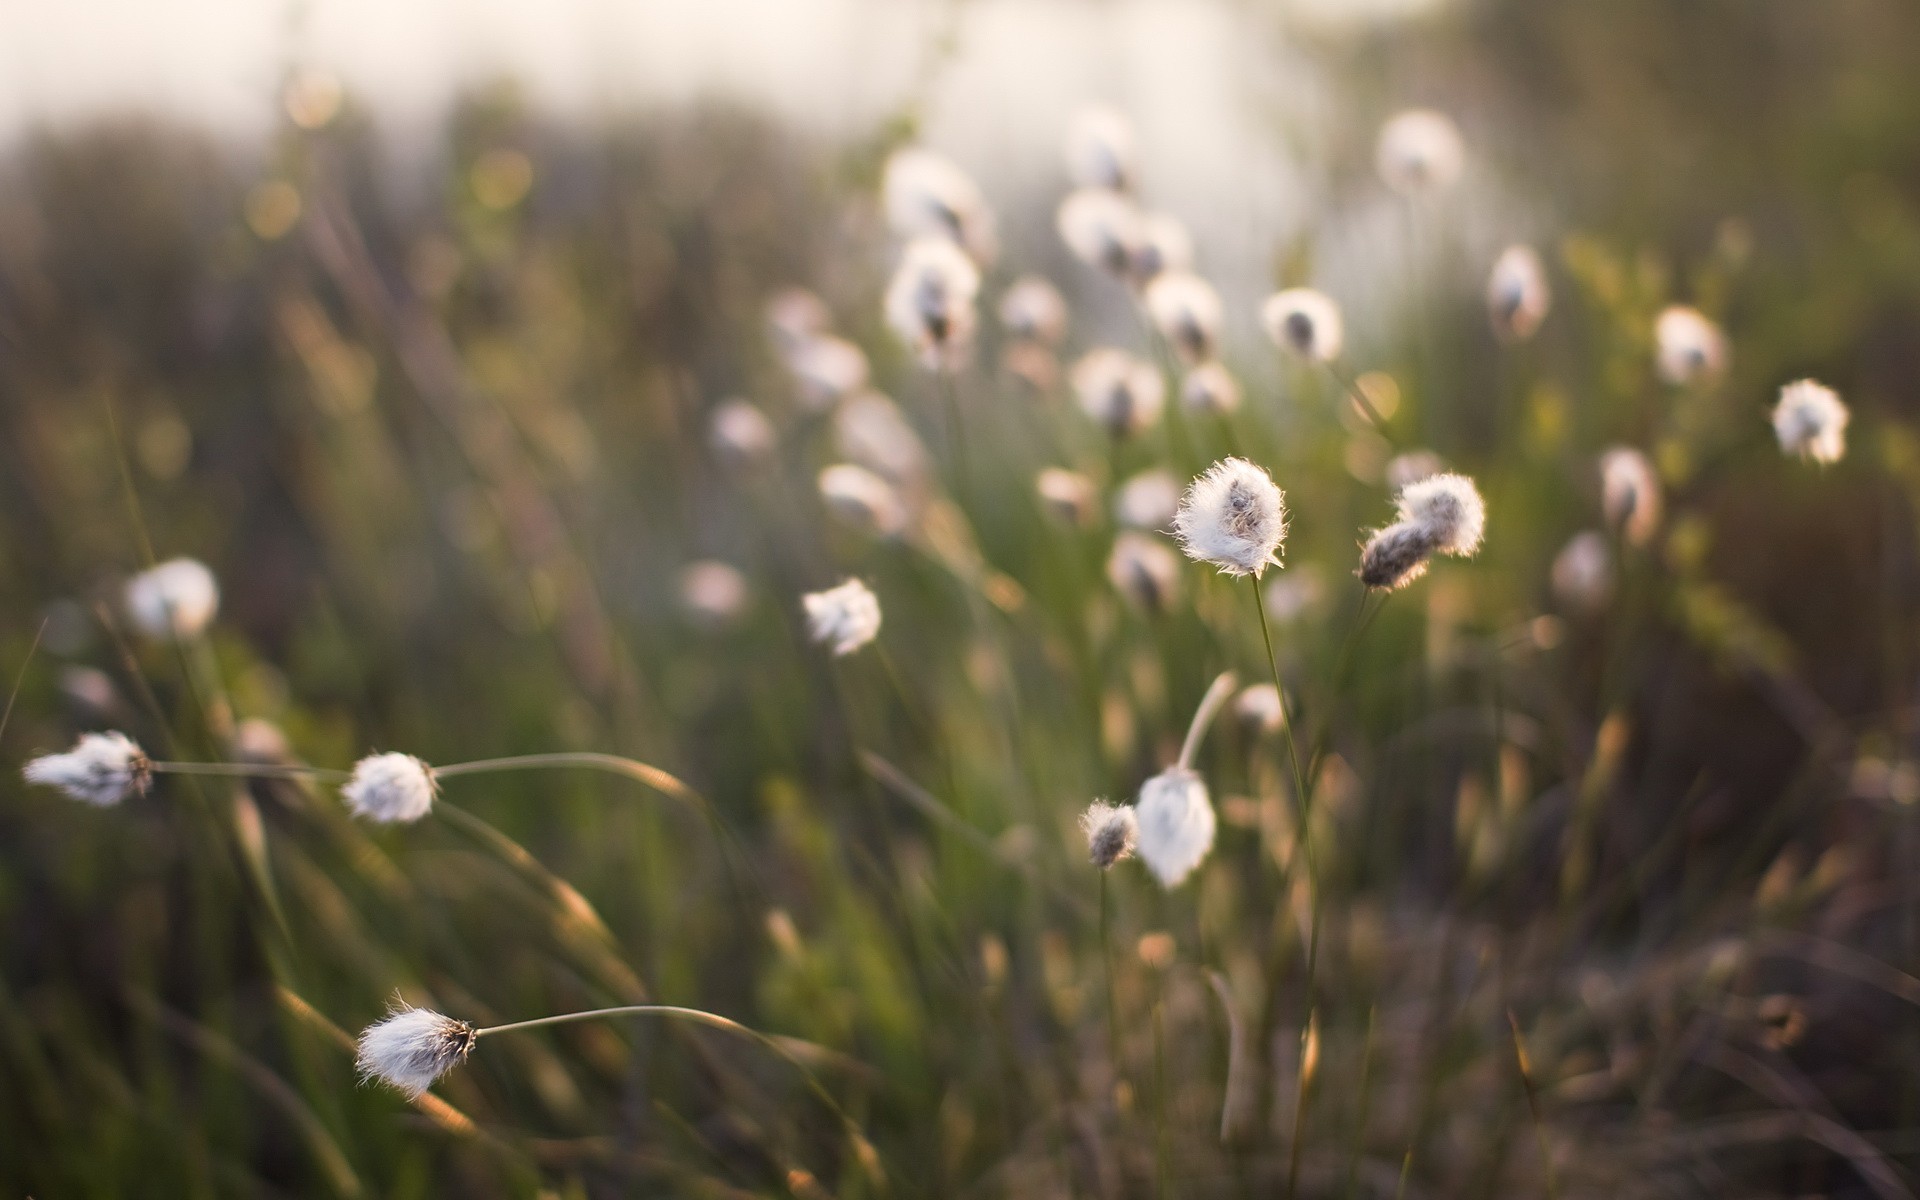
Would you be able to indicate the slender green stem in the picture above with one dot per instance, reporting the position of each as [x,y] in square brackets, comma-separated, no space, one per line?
[1217,694]
[1533,1105]
[247,770]
[1163,1151]
[1113,1003]
[1353,389]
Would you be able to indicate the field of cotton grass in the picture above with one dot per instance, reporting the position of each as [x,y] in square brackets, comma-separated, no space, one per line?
[684,660]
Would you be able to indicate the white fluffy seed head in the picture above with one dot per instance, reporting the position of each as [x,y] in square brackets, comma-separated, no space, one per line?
[1123,394]
[1067,496]
[927,196]
[1419,151]
[1395,556]
[390,788]
[176,599]
[1100,149]
[1111,833]
[411,1048]
[1148,500]
[1259,708]
[1304,323]
[1583,572]
[869,429]
[1032,308]
[1187,311]
[1176,824]
[1102,228]
[826,368]
[863,501]
[1630,494]
[842,618]
[795,316]
[1234,517]
[1449,508]
[1810,420]
[1688,347]
[740,434]
[1518,295]
[1210,388]
[1165,245]
[713,594]
[1145,570]
[102,769]
[930,302]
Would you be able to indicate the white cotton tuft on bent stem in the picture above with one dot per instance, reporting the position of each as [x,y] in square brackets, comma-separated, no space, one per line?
[176,599]
[1304,323]
[411,1048]
[1174,815]
[842,618]
[391,788]
[1234,517]
[102,769]
[1810,420]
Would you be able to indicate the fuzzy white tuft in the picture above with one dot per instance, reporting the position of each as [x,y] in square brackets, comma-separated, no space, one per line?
[1687,346]
[102,769]
[1233,517]
[1176,824]
[1630,494]
[1395,556]
[1123,394]
[927,196]
[930,302]
[1304,323]
[1165,246]
[863,500]
[740,434]
[1111,833]
[1187,311]
[1518,295]
[1210,388]
[1419,151]
[1033,309]
[1102,228]
[1145,570]
[391,788]
[412,1048]
[826,368]
[1449,508]
[843,618]
[178,598]
[1100,152]
[1811,422]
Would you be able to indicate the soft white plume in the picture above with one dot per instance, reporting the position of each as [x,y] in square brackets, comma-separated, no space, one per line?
[411,1048]
[1449,508]
[930,302]
[1687,346]
[1103,229]
[1583,572]
[1210,388]
[1100,149]
[1148,500]
[740,434]
[713,594]
[102,769]
[1067,496]
[1111,833]
[1176,824]
[1233,517]
[390,788]
[1518,295]
[1304,323]
[1811,422]
[177,598]
[825,369]
[1419,151]
[1630,494]
[927,196]
[1187,311]
[1032,308]
[843,618]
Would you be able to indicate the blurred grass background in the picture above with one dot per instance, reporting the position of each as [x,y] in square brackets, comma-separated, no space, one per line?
[442,435]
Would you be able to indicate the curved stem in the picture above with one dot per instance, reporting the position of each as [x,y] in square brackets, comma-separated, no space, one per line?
[653,777]
[1352,387]
[1217,694]
[247,770]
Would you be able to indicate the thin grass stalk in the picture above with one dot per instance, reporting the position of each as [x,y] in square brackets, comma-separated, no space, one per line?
[1533,1105]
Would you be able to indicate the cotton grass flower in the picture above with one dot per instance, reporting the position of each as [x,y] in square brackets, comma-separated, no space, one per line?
[826,369]
[1518,295]
[740,434]
[1395,556]
[1067,496]
[390,788]
[102,769]
[176,599]
[1630,494]
[1164,246]
[869,429]
[842,618]
[927,196]
[1186,311]
[713,594]
[1144,570]
[1033,310]
[863,501]
[1176,824]
[1111,833]
[1103,229]
[1148,500]
[1304,323]
[795,316]
[1100,149]
[1688,348]
[1449,509]
[1810,420]
[1121,393]
[1420,151]
[412,1048]
[930,302]
[1582,574]
[1210,388]
[1233,517]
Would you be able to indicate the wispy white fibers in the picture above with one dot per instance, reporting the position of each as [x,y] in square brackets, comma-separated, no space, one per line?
[1104,229]
[177,598]
[1583,572]
[390,788]
[1176,824]
[740,434]
[1630,494]
[869,429]
[1210,388]
[102,769]
[1123,394]
[1395,556]
[1148,500]
[1688,348]
[412,1048]
[1305,323]
[1144,570]
[1811,422]
[842,618]
[1033,309]
[927,196]
[1234,517]
[863,501]
[1111,833]
[826,368]
[1449,508]
[713,594]
[1186,310]
[1518,295]
[1100,149]
[1419,151]
[930,302]
[1067,496]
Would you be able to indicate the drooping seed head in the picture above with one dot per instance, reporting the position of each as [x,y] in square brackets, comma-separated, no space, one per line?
[1176,824]
[930,302]
[411,1048]
[1122,394]
[176,599]
[713,594]
[1100,149]
[1304,323]
[1810,420]
[1187,312]
[1395,556]
[863,501]
[740,434]
[1449,508]
[1145,570]
[1419,151]
[1688,347]
[1210,388]
[1102,228]
[1111,833]
[1148,500]
[1067,496]
[102,769]
[1233,517]
[391,788]
[927,196]
[843,618]
[1630,494]
[1518,295]
[1033,309]
[1583,572]
[869,429]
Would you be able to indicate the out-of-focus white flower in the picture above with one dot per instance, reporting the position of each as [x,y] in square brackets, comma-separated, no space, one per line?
[1111,833]
[1144,569]
[1259,708]
[1419,151]
[795,316]
[930,302]
[825,369]
[1102,228]
[863,500]
[1033,309]
[712,593]
[412,1048]
[1176,824]
[1583,572]
[102,769]
[1233,517]
[1688,347]
[257,740]
[843,618]
[1811,421]
[177,598]
[391,788]
[1067,496]
[1395,556]
[1210,388]
[1165,245]
[1412,467]
[740,434]
[1629,494]
[1518,295]
[1304,323]
[1449,508]
[1291,594]
[1100,151]
[1187,311]
[1121,393]
[869,429]
[1147,500]
[927,196]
